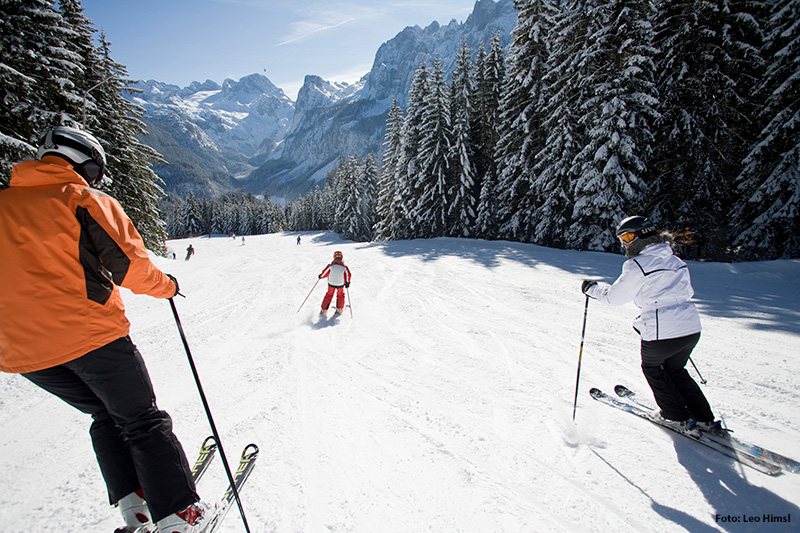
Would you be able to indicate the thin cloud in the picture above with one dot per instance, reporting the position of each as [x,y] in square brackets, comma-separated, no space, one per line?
[304,29]
[330,17]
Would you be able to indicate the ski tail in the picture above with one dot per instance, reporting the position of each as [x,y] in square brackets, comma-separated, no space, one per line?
[207,452]
[246,464]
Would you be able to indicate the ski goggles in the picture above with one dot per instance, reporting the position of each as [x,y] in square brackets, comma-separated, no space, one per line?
[627,238]
[93,171]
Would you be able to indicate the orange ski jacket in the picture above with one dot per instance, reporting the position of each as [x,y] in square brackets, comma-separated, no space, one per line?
[64,248]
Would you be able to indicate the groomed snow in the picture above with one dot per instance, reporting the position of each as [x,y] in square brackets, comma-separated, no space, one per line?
[444,404]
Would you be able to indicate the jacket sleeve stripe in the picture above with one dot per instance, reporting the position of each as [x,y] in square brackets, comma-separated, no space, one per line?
[102,258]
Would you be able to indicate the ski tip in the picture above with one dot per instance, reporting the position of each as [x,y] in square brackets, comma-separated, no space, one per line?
[595,392]
[622,390]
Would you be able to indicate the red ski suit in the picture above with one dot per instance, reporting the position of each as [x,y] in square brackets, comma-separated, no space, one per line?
[338,278]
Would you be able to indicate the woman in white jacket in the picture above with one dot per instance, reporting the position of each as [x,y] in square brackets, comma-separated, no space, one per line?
[659,284]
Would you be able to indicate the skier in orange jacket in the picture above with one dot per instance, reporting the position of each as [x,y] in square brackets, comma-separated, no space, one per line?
[66,249]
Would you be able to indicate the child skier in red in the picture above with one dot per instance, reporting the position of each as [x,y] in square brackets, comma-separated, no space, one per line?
[338,278]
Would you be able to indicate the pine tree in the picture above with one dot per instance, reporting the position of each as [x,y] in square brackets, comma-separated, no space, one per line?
[491,74]
[522,114]
[703,81]
[368,184]
[767,215]
[36,78]
[408,164]
[433,181]
[462,194]
[388,197]
[618,115]
[191,217]
[117,121]
[349,198]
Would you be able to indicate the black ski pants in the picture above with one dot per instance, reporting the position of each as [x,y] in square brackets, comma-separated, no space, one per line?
[676,393]
[132,438]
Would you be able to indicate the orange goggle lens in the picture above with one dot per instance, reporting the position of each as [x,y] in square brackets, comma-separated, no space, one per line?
[627,238]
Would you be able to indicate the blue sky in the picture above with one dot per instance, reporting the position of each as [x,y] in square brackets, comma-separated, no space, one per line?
[180,41]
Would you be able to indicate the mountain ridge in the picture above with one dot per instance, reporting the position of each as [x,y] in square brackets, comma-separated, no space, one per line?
[247,134]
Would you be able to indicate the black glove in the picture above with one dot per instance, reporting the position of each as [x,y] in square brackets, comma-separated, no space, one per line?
[586,284]
[347,285]
[175,281]
[319,277]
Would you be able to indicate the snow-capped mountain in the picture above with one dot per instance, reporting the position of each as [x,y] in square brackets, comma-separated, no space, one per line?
[212,135]
[352,120]
[248,134]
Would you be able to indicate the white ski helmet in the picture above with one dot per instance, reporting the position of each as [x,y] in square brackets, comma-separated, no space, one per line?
[81,149]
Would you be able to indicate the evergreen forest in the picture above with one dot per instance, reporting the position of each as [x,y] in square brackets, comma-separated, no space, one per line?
[686,111]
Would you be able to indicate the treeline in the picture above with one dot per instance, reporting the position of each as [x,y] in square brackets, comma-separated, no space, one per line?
[346,205]
[683,110]
[52,73]
[237,213]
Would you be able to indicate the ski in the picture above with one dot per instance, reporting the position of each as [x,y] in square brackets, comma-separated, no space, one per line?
[785,463]
[246,464]
[648,414]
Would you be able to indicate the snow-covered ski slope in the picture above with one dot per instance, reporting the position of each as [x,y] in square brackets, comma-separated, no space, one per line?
[444,404]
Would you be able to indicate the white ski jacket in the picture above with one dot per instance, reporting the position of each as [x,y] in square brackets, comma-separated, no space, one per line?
[659,284]
[337,273]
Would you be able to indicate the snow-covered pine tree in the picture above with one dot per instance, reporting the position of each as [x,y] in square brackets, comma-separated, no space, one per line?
[191,216]
[279,222]
[320,216]
[354,223]
[217,219]
[462,194]
[766,217]
[388,196]
[702,134]
[618,113]
[36,73]
[433,180]
[333,195]
[490,73]
[117,121]
[521,134]
[296,214]
[408,164]
[244,221]
[368,184]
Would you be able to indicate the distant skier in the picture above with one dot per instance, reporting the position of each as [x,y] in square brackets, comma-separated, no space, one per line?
[298,240]
[64,327]
[189,252]
[242,241]
[659,284]
[338,278]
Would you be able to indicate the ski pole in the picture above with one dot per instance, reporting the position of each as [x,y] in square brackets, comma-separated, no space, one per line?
[208,414]
[349,301]
[580,356]
[309,294]
[703,381]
